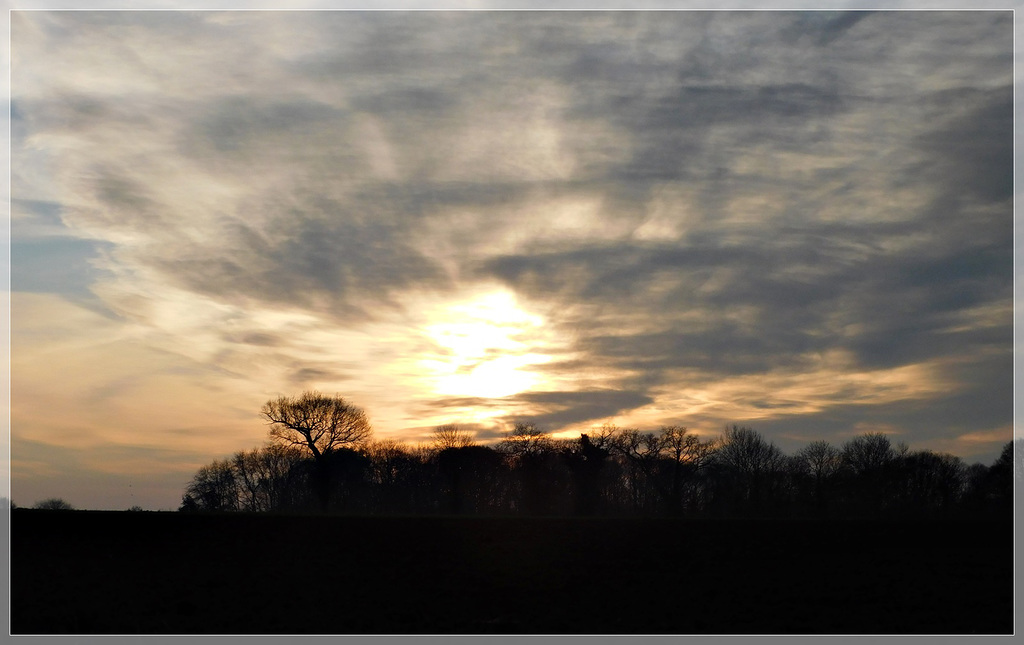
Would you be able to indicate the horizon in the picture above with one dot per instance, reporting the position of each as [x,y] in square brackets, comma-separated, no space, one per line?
[798,222]
[429,451]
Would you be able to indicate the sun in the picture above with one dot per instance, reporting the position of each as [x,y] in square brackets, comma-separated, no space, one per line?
[485,347]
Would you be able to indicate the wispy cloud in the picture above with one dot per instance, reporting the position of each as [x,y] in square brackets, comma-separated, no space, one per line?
[786,218]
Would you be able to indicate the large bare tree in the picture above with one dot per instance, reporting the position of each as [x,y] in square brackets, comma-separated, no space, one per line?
[321,424]
[316,422]
[450,435]
[525,440]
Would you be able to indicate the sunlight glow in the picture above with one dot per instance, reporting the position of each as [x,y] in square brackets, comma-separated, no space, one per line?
[484,349]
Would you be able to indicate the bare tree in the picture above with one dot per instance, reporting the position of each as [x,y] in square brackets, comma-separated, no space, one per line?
[664,463]
[604,436]
[688,455]
[993,486]
[317,422]
[450,435]
[642,447]
[535,465]
[871,466]
[525,439]
[473,479]
[747,451]
[214,487]
[387,458]
[265,476]
[752,467]
[929,481]
[868,453]
[639,453]
[321,424]
[820,459]
[820,462]
[585,460]
[685,447]
[54,504]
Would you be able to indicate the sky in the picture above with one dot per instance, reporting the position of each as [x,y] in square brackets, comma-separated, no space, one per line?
[796,222]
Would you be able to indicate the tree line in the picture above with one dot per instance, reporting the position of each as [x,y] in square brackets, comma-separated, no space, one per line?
[321,457]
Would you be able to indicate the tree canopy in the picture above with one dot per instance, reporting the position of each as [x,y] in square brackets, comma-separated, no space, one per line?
[317,422]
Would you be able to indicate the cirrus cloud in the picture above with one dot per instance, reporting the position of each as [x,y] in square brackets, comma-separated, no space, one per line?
[798,220]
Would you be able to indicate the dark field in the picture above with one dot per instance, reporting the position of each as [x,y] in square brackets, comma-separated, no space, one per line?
[100,572]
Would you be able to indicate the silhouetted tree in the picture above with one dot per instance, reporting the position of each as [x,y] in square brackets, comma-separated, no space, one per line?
[869,452]
[608,470]
[525,439]
[450,435]
[868,462]
[1014,451]
[586,461]
[320,424]
[213,488]
[349,478]
[268,477]
[1001,479]
[750,470]
[686,455]
[988,490]
[53,504]
[387,458]
[639,453]
[927,482]
[818,463]
[249,481]
[317,422]
[473,479]
[662,470]
[533,458]
[400,479]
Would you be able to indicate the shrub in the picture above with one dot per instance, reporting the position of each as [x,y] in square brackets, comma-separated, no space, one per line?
[54,504]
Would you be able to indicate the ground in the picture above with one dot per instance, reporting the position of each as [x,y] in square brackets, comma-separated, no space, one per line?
[86,572]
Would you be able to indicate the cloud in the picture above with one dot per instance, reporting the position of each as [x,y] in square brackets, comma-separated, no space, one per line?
[697,206]
[555,410]
[970,151]
[823,28]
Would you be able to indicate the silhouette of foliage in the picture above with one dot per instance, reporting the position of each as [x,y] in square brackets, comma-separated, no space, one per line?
[450,435]
[638,453]
[473,478]
[749,472]
[816,468]
[929,481]
[213,488]
[998,485]
[322,425]
[687,457]
[525,439]
[609,471]
[267,477]
[538,476]
[53,504]
[868,453]
[586,461]
[316,422]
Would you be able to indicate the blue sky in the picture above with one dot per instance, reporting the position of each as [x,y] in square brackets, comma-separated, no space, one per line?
[799,222]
